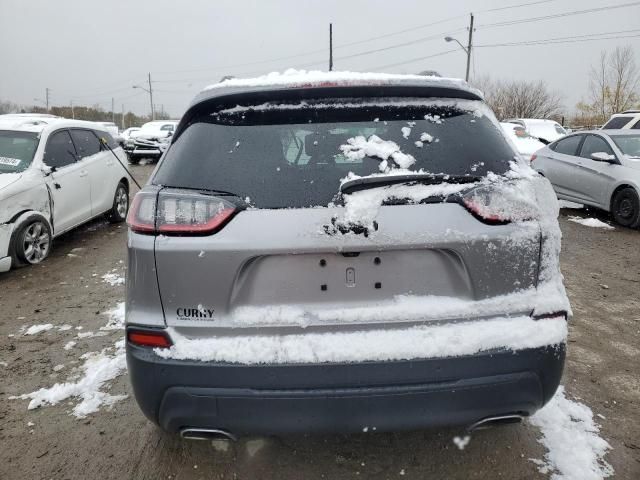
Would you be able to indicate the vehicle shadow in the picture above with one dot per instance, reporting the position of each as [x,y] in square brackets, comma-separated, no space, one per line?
[501,451]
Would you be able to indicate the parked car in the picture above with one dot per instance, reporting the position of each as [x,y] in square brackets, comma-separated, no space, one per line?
[600,168]
[625,120]
[54,176]
[525,144]
[124,137]
[294,266]
[544,130]
[112,128]
[151,140]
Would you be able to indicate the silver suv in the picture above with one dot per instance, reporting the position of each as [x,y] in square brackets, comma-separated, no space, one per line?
[347,253]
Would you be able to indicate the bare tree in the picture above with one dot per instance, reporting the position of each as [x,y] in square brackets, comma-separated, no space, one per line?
[614,83]
[519,99]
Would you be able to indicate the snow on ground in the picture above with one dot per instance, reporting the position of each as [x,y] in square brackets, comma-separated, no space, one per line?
[567,204]
[94,375]
[575,451]
[433,341]
[116,318]
[591,222]
[113,279]
[88,382]
[35,329]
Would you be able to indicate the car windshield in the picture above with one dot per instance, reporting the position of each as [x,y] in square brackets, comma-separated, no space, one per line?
[16,150]
[628,144]
[296,155]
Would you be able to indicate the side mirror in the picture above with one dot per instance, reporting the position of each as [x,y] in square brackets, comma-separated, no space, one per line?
[47,170]
[603,157]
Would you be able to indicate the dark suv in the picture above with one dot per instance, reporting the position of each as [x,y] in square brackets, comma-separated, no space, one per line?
[342,253]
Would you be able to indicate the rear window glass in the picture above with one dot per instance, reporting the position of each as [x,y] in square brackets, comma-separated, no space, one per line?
[16,150]
[617,122]
[289,155]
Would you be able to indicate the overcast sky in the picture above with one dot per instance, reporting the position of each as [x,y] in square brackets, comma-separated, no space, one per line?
[89,51]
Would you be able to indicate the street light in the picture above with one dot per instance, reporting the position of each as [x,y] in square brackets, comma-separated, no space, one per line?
[465,49]
[150,92]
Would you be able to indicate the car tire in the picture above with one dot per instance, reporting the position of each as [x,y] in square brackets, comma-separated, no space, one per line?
[120,207]
[625,207]
[31,242]
[133,160]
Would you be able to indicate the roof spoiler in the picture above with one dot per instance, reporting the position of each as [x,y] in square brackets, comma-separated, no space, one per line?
[231,99]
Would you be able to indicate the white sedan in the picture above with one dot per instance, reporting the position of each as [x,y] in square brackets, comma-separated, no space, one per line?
[55,176]
[524,143]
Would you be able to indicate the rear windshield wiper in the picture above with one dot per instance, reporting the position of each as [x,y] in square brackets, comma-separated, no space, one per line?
[384,180]
[207,191]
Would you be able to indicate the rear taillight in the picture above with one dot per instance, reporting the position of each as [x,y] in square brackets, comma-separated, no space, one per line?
[179,212]
[501,203]
[533,157]
[149,338]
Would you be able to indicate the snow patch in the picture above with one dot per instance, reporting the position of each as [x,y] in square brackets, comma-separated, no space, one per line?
[304,78]
[98,369]
[462,442]
[575,450]
[35,329]
[359,147]
[591,222]
[113,279]
[433,341]
[116,318]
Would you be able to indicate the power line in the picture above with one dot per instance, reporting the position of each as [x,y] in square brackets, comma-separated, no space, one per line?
[570,39]
[404,44]
[413,60]
[508,7]
[313,52]
[557,15]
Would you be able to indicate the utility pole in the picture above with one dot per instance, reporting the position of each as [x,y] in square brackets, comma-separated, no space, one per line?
[330,46]
[153,112]
[113,110]
[469,45]
[73,113]
[122,119]
[47,90]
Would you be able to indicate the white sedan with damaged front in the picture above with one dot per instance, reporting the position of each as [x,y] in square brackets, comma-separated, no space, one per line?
[55,176]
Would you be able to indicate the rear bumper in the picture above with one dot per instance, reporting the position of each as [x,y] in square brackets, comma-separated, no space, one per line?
[390,396]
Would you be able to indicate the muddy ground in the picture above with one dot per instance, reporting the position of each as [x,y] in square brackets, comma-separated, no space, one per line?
[602,272]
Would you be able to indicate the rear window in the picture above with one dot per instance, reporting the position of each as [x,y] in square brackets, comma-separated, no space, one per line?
[286,155]
[617,122]
[16,150]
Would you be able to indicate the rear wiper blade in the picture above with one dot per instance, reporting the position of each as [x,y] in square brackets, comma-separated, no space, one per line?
[207,191]
[363,183]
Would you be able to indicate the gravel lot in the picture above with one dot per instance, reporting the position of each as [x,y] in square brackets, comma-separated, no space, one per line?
[602,272]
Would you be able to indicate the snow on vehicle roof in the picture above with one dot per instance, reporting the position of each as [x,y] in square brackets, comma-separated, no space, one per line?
[302,78]
[27,122]
[38,125]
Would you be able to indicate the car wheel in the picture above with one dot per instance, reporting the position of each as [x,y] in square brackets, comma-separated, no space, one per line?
[32,241]
[625,208]
[118,212]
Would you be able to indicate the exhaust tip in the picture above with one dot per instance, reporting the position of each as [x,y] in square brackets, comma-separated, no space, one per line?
[496,421]
[207,434]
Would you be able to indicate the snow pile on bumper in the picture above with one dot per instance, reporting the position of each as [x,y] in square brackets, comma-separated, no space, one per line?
[434,341]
